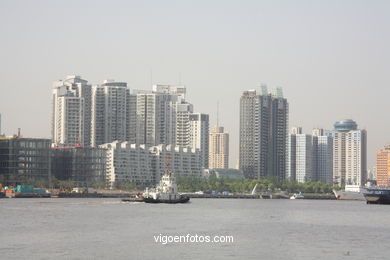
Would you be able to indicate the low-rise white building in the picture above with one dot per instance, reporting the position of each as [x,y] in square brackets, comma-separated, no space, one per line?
[127,162]
[133,163]
[176,159]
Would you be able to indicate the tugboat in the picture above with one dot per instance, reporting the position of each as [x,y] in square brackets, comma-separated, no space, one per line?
[165,192]
[377,195]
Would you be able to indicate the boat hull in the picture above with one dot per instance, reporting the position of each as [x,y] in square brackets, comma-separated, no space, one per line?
[133,199]
[377,196]
[348,195]
[183,199]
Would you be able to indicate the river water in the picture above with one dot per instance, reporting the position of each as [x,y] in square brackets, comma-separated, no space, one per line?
[261,229]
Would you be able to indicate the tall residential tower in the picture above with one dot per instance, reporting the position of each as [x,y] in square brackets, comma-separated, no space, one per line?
[263,134]
[71,112]
[383,166]
[110,112]
[301,156]
[218,148]
[349,153]
[199,136]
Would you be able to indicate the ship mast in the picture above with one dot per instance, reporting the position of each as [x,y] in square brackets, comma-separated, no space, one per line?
[167,165]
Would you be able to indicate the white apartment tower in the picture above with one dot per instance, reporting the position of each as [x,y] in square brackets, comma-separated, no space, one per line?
[71,112]
[301,156]
[183,124]
[349,153]
[322,155]
[199,136]
[218,148]
[110,112]
[155,118]
[169,89]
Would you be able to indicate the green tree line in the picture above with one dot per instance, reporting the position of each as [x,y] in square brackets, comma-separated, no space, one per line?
[193,184]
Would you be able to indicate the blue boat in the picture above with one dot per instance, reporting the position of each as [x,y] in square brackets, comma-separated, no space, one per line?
[377,195]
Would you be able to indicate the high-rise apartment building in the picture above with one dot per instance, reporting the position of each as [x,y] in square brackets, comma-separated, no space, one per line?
[86,115]
[131,117]
[349,153]
[322,155]
[199,136]
[110,112]
[183,126]
[71,112]
[156,118]
[383,166]
[301,156]
[180,91]
[218,148]
[263,133]
[310,156]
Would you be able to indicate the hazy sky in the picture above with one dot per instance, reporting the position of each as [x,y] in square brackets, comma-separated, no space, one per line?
[332,58]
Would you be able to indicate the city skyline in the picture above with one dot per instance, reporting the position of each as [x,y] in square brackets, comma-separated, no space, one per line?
[318,61]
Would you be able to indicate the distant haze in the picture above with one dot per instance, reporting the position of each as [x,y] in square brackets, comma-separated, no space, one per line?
[332,58]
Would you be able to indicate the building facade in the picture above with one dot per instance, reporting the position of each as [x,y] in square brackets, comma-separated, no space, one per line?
[199,136]
[71,112]
[301,156]
[85,166]
[24,161]
[218,148]
[176,159]
[156,118]
[183,125]
[383,166]
[110,112]
[127,162]
[349,153]
[144,165]
[178,90]
[263,134]
[322,155]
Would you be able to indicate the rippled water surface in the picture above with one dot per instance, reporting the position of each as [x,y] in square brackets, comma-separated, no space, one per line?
[262,229]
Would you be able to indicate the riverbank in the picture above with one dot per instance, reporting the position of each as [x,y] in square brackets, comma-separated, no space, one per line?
[309,196]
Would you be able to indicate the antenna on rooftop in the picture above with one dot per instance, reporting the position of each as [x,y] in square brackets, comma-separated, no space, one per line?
[217,113]
[151,77]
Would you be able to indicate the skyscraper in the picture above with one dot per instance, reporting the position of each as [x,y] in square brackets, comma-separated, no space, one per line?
[322,156]
[71,112]
[349,153]
[263,134]
[310,156]
[301,156]
[199,136]
[383,166]
[180,91]
[156,118]
[110,112]
[183,124]
[218,148]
